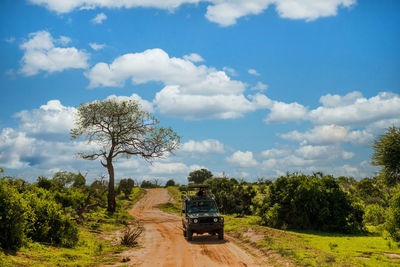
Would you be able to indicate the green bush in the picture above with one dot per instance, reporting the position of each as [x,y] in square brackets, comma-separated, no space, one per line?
[50,224]
[14,214]
[232,197]
[374,214]
[313,202]
[393,219]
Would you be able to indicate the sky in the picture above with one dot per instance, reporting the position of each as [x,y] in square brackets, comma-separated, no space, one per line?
[255,88]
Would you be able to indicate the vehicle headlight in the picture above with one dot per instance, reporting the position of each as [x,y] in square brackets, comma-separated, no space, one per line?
[215,220]
[221,219]
[195,220]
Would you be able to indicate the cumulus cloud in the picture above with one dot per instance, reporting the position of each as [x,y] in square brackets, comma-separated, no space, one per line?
[191,92]
[328,134]
[41,54]
[146,105]
[283,112]
[354,109]
[223,12]
[99,18]
[242,159]
[50,118]
[97,47]
[204,147]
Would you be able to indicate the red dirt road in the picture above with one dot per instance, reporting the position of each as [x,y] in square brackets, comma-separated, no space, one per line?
[163,243]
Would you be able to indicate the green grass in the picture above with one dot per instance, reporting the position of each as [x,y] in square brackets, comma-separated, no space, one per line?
[172,207]
[316,248]
[95,247]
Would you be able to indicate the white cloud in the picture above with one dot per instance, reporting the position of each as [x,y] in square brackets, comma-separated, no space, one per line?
[283,112]
[242,159]
[328,134]
[193,58]
[230,71]
[223,12]
[353,109]
[99,18]
[272,153]
[253,72]
[204,147]
[97,47]
[146,105]
[260,87]
[50,118]
[172,168]
[191,92]
[10,40]
[41,54]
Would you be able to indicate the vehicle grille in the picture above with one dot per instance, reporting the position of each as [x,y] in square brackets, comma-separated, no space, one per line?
[206,220]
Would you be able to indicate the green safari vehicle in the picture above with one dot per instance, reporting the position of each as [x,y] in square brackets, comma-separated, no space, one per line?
[200,213]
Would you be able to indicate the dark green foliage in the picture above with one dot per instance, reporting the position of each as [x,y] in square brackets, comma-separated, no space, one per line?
[310,202]
[393,219]
[125,186]
[232,197]
[199,176]
[50,224]
[14,214]
[371,191]
[387,155]
[170,182]
[65,179]
[148,184]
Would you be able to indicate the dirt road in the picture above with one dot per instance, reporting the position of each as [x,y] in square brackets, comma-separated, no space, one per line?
[163,243]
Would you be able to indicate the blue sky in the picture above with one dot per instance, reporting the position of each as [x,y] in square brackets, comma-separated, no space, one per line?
[254,87]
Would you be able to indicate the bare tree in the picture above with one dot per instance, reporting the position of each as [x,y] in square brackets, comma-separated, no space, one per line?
[121,128]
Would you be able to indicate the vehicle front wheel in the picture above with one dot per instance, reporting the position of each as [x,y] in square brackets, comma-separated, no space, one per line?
[189,234]
[221,234]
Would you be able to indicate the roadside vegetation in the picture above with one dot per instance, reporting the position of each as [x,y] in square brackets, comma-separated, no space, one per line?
[317,219]
[63,221]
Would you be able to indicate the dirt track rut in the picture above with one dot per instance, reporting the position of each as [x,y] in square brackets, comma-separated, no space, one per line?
[163,243]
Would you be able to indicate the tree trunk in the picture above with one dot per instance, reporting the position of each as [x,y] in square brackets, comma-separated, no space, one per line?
[111,193]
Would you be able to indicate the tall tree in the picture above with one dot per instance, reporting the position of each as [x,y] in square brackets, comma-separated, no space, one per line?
[199,176]
[121,128]
[387,155]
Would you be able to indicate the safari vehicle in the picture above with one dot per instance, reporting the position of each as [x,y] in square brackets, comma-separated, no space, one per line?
[200,213]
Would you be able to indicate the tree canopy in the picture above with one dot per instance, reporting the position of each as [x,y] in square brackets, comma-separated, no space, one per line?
[199,176]
[121,128]
[387,155]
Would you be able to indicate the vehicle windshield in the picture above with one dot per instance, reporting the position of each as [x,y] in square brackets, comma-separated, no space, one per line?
[201,206]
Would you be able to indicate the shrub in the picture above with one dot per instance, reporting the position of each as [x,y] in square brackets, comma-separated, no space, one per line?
[130,235]
[374,214]
[51,225]
[392,224]
[14,214]
[313,202]
[126,186]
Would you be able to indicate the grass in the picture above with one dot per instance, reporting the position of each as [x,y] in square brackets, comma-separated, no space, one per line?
[173,207]
[96,246]
[310,248]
